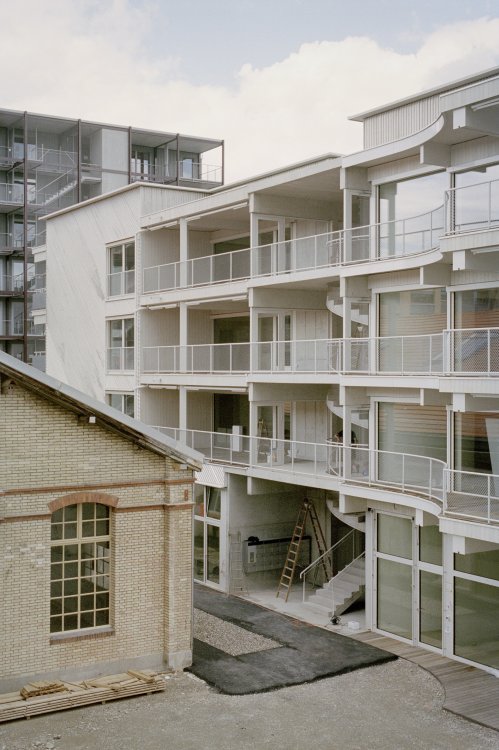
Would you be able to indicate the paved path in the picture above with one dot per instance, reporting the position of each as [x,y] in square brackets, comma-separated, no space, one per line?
[469,692]
[291,651]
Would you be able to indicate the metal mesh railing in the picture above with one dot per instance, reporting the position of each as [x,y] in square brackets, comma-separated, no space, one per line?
[472,495]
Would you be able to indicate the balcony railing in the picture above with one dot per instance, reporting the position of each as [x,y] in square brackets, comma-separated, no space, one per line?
[202,358]
[307,356]
[473,351]
[122,282]
[121,358]
[472,495]
[419,475]
[14,284]
[13,327]
[373,242]
[12,193]
[470,351]
[472,208]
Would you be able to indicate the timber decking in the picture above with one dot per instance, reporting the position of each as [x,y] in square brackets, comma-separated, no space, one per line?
[469,692]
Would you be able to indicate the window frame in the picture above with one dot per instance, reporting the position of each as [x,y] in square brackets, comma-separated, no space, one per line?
[73,523]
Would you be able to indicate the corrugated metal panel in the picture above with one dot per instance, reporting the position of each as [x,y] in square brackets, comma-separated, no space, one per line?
[211,476]
[401,122]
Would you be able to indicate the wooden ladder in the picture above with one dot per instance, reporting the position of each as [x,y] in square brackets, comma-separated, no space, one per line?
[307,510]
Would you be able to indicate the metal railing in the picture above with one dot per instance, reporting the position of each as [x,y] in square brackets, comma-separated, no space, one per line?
[199,171]
[122,282]
[419,475]
[14,284]
[121,358]
[472,208]
[12,327]
[11,193]
[473,351]
[472,495]
[469,351]
[361,244]
[202,358]
[328,564]
[297,355]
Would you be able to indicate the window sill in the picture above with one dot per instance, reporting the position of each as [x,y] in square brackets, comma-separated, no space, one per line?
[82,635]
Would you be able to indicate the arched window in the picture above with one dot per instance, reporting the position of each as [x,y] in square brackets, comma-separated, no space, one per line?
[79,576]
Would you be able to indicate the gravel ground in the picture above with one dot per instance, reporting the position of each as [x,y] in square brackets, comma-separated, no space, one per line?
[229,637]
[395,706]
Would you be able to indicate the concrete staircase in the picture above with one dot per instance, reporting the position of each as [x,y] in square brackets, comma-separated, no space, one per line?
[339,593]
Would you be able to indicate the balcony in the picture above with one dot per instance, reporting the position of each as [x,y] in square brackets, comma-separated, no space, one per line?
[188,171]
[473,496]
[472,208]
[375,242]
[198,358]
[11,195]
[10,157]
[12,285]
[12,328]
[420,476]
[459,352]
[121,359]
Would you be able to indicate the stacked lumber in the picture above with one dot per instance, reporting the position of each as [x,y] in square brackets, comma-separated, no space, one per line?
[43,697]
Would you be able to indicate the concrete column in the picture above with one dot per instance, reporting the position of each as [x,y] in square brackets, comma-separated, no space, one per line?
[448,595]
[183,336]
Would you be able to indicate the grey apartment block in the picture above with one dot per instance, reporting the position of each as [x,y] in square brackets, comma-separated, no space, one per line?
[48,163]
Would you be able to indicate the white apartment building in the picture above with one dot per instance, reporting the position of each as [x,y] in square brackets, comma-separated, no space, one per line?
[327,331]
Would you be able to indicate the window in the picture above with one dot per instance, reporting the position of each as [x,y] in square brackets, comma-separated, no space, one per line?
[121,341]
[124,402]
[79,573]
[121,269]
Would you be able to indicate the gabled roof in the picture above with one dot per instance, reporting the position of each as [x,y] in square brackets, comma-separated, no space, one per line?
[110,419]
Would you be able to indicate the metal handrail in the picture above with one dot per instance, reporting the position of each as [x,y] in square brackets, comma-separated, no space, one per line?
[453,226]
[326,250]
[321,557]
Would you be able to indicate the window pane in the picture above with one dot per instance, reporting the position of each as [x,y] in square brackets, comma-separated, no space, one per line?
[395,536]
[199,550]
[129,332]
[199,500]
[116,259]
[476,622]
[129,256]
[214,499]
[430,608]
[430,545]
[483,564]
[88,510]
[213,553]
[394,598]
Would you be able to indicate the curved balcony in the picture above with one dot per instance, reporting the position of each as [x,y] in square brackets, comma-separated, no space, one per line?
[421,476]
[374,242]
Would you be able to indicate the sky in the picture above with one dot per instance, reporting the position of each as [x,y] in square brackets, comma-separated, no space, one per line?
[276,79]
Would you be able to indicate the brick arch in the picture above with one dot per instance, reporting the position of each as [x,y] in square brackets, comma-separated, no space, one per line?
[76,498]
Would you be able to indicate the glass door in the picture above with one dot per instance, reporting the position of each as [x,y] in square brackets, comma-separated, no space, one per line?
[408,582]
[207,547]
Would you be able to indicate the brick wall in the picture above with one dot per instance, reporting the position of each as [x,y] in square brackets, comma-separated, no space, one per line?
[48,456]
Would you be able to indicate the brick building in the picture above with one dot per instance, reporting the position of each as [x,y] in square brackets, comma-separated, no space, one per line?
[95,535]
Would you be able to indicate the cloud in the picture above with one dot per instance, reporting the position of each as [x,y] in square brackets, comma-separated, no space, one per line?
[90,59]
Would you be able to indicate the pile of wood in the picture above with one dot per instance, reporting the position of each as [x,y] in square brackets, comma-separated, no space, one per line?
[45,696]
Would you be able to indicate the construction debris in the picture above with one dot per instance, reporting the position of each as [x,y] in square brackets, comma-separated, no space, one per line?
[43,696]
